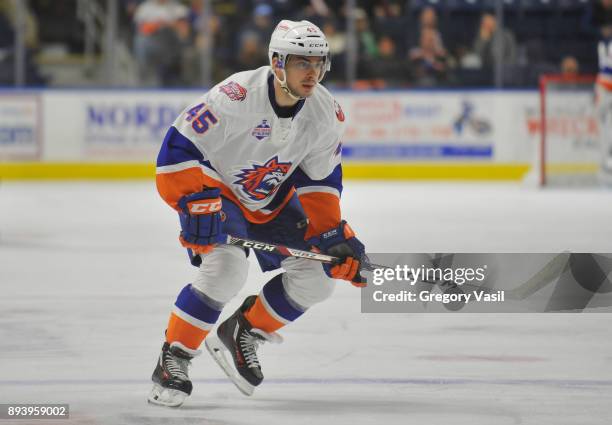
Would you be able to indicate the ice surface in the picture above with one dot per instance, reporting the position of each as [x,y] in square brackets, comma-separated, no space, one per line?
[89,271]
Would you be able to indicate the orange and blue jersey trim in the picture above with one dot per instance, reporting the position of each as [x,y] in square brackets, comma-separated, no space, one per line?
[320,200]
[182,170]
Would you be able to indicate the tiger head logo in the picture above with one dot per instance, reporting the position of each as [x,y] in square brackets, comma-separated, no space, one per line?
[262,181]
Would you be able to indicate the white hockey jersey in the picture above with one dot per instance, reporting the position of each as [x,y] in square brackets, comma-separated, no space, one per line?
[232,138]
[604,51]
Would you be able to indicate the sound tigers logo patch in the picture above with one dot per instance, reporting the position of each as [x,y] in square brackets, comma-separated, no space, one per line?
[261,181]
[234,91]
[339,112]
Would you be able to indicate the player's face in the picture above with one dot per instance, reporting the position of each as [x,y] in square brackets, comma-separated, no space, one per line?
[303,73]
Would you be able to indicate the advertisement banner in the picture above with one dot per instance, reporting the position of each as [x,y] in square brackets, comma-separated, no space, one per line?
[129,127]
[20,127]
[405,126]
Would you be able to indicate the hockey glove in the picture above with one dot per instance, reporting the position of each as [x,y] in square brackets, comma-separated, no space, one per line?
[201,221]
[341,242]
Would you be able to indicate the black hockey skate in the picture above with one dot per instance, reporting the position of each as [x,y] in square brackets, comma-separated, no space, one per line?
[171,384]
[238,337]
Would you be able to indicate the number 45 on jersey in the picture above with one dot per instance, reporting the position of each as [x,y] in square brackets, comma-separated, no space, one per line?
[201,118]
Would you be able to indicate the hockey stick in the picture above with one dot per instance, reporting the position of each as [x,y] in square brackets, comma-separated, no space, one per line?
[292,252]
[323,258]
[527,288]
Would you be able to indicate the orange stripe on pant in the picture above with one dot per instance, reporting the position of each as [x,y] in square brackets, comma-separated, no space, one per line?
[185,333]
[259,318]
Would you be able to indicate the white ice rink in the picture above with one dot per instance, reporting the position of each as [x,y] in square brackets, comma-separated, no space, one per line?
[89,272]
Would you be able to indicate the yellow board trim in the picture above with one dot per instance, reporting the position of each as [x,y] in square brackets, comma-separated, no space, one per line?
[75,171]
[572,168]
[351,170]
[434,171]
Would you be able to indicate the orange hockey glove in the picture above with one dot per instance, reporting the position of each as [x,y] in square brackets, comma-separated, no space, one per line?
[341,242]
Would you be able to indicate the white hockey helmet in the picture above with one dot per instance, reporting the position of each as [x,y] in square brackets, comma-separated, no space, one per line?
[301,38]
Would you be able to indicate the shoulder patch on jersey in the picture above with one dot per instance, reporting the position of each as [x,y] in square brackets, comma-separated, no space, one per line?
[338,110]
[262,181]
[234,91]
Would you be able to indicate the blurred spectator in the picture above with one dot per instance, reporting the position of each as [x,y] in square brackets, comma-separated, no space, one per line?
[336,39]
[7,9]
[199,40]
[320,8]
[366,38]
[428,18]
[230,16]
[386,48]
[569,67]
[367,49]
[8,23]
[261,24]
[252,52]
[387,9]
[430,60]
[126,17]
[494,43]
[162,32]
[315,11]
[393,70]
[58,24]
[599,18]
[169,37]
[337,50]
[389,21]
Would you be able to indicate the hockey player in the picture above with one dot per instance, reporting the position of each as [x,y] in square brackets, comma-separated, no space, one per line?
[258,157]
[604,95]
[600,17]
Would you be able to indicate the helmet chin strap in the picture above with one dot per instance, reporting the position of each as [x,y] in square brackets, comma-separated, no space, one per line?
[285,87]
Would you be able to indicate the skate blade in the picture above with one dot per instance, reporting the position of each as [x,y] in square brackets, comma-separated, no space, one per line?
[217,350]
[166,396]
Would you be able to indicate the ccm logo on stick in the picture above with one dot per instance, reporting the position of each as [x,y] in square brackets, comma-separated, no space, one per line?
[205,207]
[302,254]
[258,246]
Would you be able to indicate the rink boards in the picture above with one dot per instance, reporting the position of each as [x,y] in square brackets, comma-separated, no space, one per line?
[483,134]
